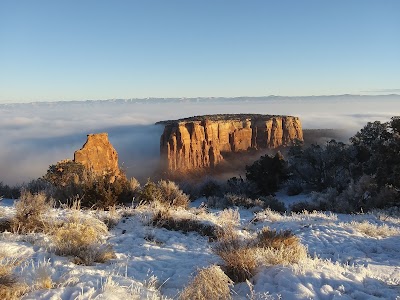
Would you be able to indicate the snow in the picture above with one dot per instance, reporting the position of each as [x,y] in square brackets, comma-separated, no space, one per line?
[349,257]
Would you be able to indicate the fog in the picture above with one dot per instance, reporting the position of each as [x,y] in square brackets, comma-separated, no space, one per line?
[36,135]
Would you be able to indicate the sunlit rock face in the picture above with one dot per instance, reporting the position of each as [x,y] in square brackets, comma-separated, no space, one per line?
[98,156]
[199,142]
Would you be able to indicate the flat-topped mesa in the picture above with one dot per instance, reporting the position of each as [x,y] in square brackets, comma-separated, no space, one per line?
[99,156]
[199,142]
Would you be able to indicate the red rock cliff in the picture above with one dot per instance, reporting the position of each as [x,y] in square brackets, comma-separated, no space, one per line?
[200,142]
[98,155]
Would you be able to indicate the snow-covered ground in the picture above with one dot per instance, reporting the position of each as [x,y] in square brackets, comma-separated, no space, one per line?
[349,257]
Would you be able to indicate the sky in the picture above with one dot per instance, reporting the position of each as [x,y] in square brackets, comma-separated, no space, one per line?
[78,50]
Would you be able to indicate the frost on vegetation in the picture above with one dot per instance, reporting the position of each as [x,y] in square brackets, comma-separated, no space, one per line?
[32,213]
[41,272]
[373,230]
[391,215]
[310,265]
[11,286]
[229,217]
[272,216]
[111,290]
[268,215]
[82,238]
[242,257]
[209,283]
[163,192]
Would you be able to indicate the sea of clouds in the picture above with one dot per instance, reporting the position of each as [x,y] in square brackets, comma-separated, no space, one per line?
[36,135]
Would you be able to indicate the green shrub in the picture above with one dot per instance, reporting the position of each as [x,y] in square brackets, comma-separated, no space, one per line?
[267,173]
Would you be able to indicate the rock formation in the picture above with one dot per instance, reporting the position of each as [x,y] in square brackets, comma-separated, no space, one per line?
[98,156]
[199,142]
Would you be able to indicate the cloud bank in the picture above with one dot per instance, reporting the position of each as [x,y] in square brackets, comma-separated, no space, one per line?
[36,135]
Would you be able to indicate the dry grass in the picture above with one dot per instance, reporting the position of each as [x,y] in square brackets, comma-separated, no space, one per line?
[10,287]
[209,283]
[82,239]
[43,278]
[31,213]
[230,217]
[238,255]
[240,260]
[163,218]
[279,247]
[243,257]
[374,230]
[267,238]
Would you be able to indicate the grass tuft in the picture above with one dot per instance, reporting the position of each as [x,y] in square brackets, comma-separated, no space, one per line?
[373,230]
[209,283]
[10,287]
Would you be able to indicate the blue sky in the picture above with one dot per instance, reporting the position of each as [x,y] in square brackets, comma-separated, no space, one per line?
[76,50]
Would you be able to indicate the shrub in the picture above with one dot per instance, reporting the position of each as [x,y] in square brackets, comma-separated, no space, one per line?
[6,224]
[150,193]
[67,180]
[273,203]
[164,192]
[267,173]
[66,172]
[106,191]
[31,213]
[327,200]
[41,185]
[209,283]
[304,206]
[218,202]
[293,187]
[172,195]
[11,192]
[134,184]
[82,239]
[240,260]
[240,186]
[242,200]
[243,257]
[210,187]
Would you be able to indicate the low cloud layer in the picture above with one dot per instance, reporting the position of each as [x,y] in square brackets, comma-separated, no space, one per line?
[34,136]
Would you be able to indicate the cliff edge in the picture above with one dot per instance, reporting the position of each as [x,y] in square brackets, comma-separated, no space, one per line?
[199,142]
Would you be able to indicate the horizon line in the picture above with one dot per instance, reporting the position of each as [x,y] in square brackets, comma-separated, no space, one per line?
[192,98]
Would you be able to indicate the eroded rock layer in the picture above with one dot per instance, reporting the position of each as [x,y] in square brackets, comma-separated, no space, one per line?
[98,155]
[200,142]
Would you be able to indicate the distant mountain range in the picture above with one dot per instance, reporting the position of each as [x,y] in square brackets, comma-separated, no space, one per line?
[345,97]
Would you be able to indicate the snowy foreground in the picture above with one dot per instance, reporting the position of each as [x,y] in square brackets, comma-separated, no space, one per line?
[349,257]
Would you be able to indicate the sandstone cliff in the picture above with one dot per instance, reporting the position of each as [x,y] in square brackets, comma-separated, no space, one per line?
[199,142]
[98,155]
